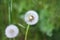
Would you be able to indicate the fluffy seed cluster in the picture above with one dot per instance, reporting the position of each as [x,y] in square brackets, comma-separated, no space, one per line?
[11,31]
[31,17]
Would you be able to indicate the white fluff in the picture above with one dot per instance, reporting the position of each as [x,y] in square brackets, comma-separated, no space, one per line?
[11,31]
[34,14]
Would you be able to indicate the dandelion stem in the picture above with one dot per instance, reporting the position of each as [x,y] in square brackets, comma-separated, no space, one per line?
[21,25]
[26,32]
[10,39]
[13,38]
[9,10]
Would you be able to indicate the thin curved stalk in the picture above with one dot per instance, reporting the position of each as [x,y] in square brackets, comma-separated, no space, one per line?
[27,32]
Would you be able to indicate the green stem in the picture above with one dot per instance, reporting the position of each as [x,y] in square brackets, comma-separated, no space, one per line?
[9,16]
[21,25]
[9,10]
[10,39]
[13,38]
[11,5]
[26,32]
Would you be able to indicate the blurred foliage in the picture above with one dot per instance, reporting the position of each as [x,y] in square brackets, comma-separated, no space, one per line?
[49,18]
[46,24]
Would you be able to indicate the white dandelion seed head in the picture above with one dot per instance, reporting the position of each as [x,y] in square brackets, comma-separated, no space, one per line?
[11,31]
[31,17]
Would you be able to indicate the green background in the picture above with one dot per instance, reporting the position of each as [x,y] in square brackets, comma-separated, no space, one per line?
[47,27]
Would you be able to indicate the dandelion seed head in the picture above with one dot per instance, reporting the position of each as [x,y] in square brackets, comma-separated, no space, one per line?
[31,17]
[11,31]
